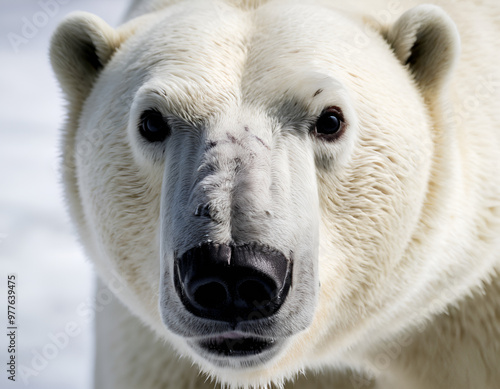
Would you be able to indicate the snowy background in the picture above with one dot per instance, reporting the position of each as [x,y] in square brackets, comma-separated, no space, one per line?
[37,242]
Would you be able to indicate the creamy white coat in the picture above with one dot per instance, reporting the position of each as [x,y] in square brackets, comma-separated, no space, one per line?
[395,227]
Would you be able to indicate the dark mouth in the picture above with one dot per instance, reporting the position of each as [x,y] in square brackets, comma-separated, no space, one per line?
[236,347]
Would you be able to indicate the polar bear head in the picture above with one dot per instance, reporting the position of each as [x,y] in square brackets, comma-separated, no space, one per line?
[257,176]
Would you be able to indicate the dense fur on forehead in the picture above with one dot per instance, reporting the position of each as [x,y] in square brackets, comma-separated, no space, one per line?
[139,7]
[387,226]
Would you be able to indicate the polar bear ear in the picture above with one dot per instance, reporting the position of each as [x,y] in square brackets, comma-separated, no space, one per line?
[80,48]
[426,39]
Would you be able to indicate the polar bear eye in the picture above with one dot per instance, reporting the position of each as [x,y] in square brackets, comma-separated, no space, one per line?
[153,127]
[330,124]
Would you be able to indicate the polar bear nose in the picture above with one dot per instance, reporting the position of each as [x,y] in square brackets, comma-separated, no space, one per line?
[232,283]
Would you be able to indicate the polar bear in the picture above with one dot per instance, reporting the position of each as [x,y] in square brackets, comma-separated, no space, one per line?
[287,194]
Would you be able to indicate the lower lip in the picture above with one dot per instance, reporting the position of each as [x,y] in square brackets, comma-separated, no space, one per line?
[236,345]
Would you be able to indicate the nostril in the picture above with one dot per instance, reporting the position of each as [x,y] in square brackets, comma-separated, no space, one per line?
[210,295]
[232,283]
[254,293]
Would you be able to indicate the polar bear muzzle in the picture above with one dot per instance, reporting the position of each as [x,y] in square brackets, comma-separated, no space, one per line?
[232,283]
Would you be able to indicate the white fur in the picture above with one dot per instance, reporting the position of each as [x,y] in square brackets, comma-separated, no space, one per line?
[394,228]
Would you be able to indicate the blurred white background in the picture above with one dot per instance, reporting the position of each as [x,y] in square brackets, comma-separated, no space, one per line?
[37,241]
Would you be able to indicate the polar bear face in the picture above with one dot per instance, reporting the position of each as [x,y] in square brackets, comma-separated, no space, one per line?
[253,178]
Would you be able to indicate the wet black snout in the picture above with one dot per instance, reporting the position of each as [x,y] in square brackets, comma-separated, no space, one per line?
[232,283]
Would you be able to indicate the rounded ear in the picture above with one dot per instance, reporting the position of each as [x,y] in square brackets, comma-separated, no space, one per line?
[80,47]
[427,40]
